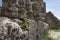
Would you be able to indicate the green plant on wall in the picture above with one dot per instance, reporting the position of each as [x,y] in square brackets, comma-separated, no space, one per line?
[25,23]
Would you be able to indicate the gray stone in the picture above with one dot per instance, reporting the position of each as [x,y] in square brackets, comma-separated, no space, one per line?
[37,30]
[18,21]
[10,30]
[9,8]
[21,8]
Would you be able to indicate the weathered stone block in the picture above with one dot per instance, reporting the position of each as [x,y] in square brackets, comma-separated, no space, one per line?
[35,6]
[37,30]
[9,8]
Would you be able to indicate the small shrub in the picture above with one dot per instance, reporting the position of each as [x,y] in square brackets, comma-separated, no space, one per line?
[47,38]
[25,23]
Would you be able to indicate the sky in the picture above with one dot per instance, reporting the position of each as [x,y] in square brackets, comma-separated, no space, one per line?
[51,5]
[0,2]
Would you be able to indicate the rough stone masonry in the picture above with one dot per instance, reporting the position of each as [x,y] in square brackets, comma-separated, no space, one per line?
[23,8]
[33,10]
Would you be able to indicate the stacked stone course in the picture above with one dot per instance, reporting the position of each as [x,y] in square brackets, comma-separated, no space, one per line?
[34,10]
[23,8]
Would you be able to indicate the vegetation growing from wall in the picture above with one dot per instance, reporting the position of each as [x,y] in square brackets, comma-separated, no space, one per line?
[25,23]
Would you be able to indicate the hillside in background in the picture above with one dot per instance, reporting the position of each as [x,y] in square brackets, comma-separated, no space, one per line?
[52,20]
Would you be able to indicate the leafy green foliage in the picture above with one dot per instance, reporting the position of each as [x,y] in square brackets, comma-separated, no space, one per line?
[56,30]
[47,38]
[25,23]
[51,29]
[55,27]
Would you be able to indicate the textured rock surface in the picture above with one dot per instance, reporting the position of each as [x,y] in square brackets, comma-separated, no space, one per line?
[19,8]
[9,8]
[10,30]
[37,31]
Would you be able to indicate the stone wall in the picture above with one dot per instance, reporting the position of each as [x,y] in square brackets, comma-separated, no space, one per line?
[37,30]
[9,8]
[12,29]
[34,10]
[22,8]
